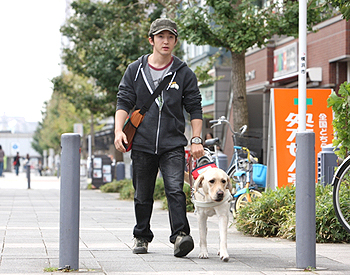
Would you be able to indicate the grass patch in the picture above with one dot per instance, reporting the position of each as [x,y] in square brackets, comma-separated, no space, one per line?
[50,269]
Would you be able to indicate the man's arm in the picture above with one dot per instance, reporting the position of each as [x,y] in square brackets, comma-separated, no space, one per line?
[197,150]
[120,137]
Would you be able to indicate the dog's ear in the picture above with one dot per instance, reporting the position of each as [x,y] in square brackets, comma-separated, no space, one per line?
[229,184]
[198,183]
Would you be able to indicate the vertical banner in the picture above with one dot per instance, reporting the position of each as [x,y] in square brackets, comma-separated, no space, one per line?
[285,119]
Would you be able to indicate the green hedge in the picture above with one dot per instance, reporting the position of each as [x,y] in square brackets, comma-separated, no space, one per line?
[274,215]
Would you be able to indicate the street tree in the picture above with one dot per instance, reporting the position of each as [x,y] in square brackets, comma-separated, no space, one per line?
[85,96]
[343,5]
[104,37]
[58,118]
[237,25]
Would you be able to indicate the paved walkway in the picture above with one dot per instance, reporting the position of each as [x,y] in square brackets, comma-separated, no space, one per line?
[29,238]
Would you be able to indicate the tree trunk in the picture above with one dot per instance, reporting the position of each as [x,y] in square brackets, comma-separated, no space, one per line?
[238,86]
[84,147]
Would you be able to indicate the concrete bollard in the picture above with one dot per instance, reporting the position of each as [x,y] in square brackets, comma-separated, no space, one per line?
[69,202]
[305,200]
[28,175]
[120,170]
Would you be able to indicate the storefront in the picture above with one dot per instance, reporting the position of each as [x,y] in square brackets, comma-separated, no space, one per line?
[276,66]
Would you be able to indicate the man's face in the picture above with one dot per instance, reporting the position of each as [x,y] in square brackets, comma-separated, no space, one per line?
[163,42]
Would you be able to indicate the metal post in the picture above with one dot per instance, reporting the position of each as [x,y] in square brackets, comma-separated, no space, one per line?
[302,65]
[305,201]
[28,174]
[69,202]
[305,162]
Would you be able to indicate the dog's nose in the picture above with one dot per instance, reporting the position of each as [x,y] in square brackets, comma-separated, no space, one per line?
[219,195]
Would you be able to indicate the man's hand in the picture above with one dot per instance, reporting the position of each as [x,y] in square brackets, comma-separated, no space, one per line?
[197,151]
[120,137]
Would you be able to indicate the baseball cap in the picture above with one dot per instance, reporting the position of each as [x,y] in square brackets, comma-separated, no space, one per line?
[163,24]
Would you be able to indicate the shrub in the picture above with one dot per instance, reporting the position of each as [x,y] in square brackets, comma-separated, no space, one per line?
[274,215]
[264,216]
[340,104]
[115,186]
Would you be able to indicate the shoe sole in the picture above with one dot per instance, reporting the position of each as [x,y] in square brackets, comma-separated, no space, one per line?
[139,251]
[185,247]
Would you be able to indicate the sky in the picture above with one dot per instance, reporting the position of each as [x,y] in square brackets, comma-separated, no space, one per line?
[30,47]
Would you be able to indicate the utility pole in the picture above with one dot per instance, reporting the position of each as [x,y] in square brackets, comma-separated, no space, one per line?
[305,162]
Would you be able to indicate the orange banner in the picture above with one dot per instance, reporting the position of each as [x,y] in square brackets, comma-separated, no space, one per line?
[285,118]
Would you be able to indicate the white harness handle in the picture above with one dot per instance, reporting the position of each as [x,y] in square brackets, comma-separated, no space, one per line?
[206,204]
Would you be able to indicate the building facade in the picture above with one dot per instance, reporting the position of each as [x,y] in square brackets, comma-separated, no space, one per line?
[275,66]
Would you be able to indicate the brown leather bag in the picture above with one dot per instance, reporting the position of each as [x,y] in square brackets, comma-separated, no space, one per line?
[130,127]
[132,123]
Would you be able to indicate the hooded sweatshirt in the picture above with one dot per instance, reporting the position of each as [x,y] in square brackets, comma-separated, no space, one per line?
[163,126]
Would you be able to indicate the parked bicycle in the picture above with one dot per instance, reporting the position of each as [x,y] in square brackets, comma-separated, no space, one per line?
[341,193]
[240,169]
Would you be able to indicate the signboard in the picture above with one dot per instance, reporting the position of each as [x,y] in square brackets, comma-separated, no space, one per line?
[207,94]
[14,148]
[79,129]
[319,118]
[285,60]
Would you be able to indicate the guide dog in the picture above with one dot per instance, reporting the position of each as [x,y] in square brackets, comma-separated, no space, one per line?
[212,195]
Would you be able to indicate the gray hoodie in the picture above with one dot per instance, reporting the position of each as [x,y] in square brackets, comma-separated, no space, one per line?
[162,128]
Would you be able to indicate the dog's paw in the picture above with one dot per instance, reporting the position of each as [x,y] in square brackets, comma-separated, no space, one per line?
[224,256]
[203,255]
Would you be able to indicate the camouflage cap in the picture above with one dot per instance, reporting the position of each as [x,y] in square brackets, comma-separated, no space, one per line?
[163,24]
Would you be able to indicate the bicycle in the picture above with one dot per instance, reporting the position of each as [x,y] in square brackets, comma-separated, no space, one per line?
[341,193]
[240,169]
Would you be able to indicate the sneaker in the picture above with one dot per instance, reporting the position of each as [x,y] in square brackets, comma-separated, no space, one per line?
[140,246]
[183,245]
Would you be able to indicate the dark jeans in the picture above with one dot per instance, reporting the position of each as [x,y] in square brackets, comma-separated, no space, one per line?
[145,169]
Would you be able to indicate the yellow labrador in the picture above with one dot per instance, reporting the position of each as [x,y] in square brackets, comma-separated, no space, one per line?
[212,195]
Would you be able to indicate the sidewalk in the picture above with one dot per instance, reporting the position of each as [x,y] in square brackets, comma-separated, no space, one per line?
[29,232]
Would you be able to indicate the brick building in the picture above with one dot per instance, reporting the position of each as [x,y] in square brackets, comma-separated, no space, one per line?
[276,66]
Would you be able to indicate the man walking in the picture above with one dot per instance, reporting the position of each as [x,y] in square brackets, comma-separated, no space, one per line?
[159,141]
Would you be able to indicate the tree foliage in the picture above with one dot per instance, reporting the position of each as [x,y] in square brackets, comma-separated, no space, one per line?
[82,92]
[58,118]
[104,38]
[343,5]
[340,104]
[237,25]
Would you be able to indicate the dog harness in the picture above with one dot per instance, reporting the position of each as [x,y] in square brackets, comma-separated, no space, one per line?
[205,204]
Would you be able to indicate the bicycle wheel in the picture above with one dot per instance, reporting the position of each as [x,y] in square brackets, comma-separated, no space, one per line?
[341,194]
[242,200]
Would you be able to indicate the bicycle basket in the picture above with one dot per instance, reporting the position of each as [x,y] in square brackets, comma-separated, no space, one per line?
[259,174]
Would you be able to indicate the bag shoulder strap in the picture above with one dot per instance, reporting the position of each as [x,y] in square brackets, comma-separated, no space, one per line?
[155,94]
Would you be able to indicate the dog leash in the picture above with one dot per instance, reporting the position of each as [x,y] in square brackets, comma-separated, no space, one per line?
[190,179]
